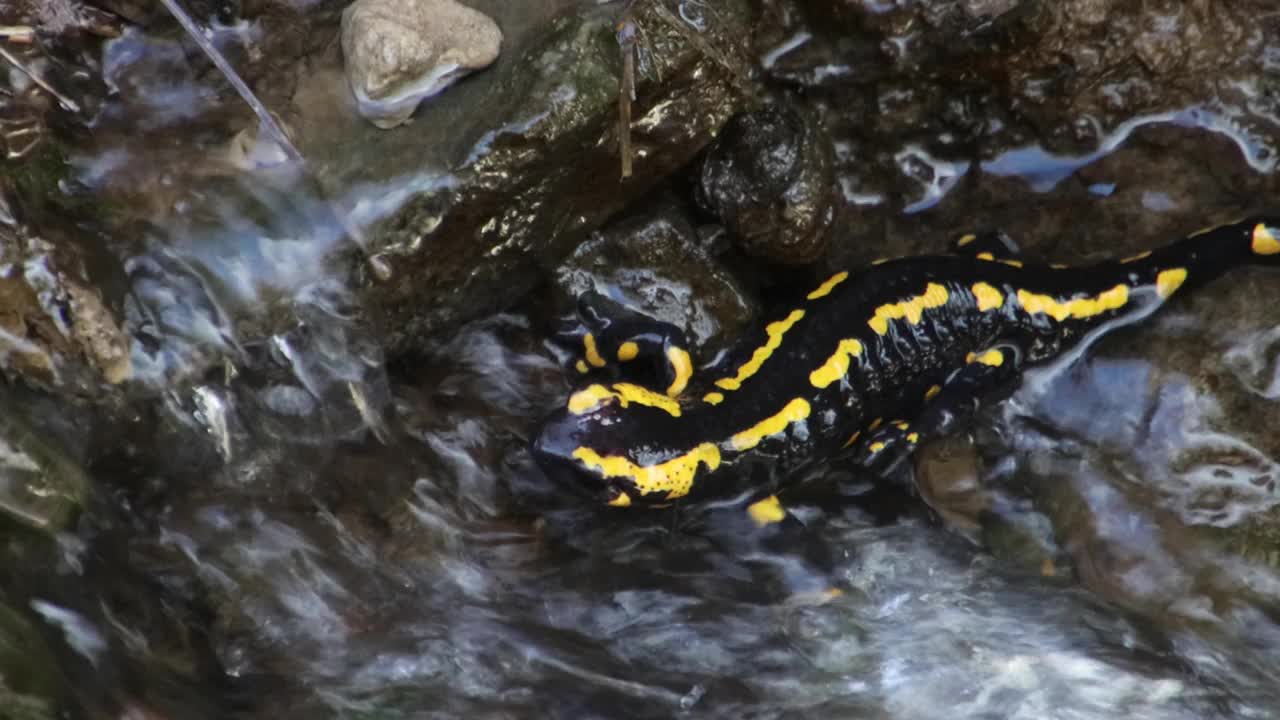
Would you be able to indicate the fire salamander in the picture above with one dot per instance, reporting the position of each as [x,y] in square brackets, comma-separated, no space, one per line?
[868,364]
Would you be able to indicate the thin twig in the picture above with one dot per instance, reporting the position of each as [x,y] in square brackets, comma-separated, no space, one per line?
[267,122]
[66,102]
[626,90]
[265,119]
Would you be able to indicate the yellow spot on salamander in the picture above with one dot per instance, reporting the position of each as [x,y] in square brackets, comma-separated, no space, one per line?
[1078,308]
[837,365]
[994,358]
[852,438]
[986,256]
[681,370]
[1012,263]
[589,399]
[1264,242]
[825,288]
[913,438]
[581,367]
[674,477]
[794,411]
[875,423]
[875,447]
[1168,281]
[774,331]
[1136,258]
[901,424]
[932,392]
[592,352]
[880,261]
[987,296]
[1058,266]
[629,393]
[628,351]
[713,398]
[966,239]
[767,511]
[934,296]
[621,500]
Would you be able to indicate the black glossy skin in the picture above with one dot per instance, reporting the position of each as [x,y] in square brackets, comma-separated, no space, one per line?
[895,371]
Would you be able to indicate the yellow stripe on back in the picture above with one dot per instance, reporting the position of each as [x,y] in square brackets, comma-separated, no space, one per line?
[825,288]
[774,331]
[1078,308]
[987,296]
[794,411]
[837,365]
[912,309]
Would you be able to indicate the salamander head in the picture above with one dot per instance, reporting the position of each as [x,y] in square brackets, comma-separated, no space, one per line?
[605,444]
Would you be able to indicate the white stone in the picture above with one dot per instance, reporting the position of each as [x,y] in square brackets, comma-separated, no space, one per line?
[401,51]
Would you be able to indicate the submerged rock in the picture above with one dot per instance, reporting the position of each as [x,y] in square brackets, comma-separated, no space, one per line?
[41,484]
[57,330]
[400,52]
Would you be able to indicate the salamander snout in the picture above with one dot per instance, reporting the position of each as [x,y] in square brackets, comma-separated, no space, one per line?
[563,442]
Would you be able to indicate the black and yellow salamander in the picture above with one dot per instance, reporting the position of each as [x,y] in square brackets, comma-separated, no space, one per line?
[868,364]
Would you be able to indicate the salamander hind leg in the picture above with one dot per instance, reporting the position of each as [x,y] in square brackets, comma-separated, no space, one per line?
[607,338]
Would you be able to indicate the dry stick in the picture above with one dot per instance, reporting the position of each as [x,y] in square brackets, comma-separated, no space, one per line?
[66,102]
[626,92]
[264,116]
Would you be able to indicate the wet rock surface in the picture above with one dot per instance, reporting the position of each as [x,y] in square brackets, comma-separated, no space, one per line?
[397,54]
[477,235]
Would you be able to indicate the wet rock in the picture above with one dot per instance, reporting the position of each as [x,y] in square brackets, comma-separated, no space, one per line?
[536,158]
[1153,461]
[399,53]
[41,482]
[58,330]
[29,677]
[768,179]
[653,264]
[947,478]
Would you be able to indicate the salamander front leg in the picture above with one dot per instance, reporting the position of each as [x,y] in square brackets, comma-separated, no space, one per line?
[791,554]
[609,338]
